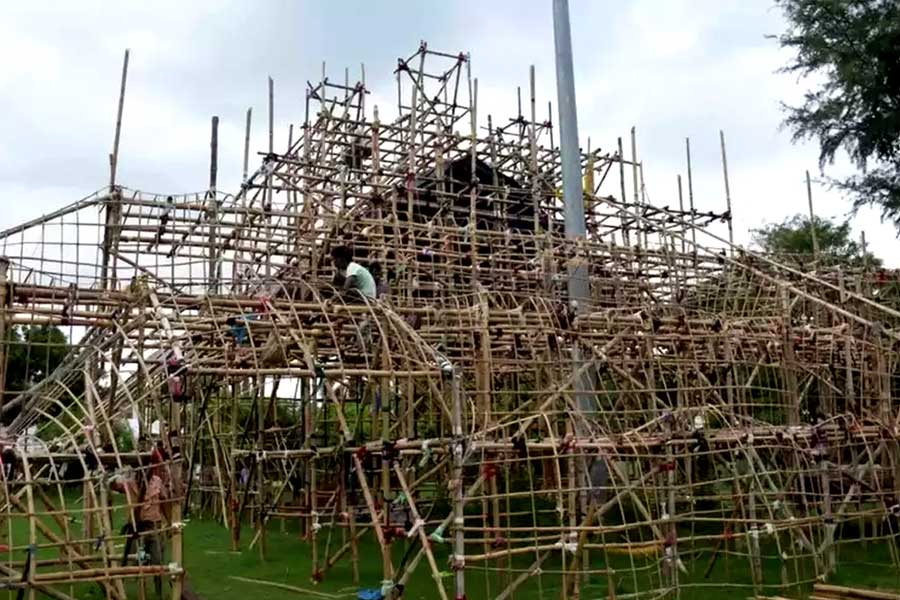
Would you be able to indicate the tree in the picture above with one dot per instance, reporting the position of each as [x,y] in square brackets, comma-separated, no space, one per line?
[34,352]
[793,237]
[853,48]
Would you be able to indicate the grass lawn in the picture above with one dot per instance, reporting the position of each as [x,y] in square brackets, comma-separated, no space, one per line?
[212,567]
[210,563]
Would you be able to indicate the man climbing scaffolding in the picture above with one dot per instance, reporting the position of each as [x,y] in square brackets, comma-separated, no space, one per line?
[351,275]
[146,499]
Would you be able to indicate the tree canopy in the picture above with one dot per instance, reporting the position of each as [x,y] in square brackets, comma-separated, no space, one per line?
[793,236]
[850,49]
[34,352]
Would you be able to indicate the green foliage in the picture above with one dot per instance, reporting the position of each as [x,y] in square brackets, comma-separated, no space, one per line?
[34,352]
[124,437]
[793,236]
[853,48]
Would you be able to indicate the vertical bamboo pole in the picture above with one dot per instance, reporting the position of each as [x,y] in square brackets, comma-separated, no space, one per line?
[4,335]
[789,367]
[635,176]
[623,212]
[419,528]
[755,557]
[681,208]
[177,524]
[261,410]
[32,527]
[690,182]
[113,205]
[247,144]
[473,193]
[268,203]
[235,472]
[459,545]
[812,219]
[672,542]
[532,150]
[727,189]
[114,157]
[866,264]
[828,517]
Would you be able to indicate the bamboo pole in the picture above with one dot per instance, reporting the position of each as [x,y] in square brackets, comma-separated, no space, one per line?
[727,189]
[114,157]
[812,219]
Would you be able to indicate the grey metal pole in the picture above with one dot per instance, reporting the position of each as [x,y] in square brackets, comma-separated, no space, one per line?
[213,206]
[573,199]
[579,290]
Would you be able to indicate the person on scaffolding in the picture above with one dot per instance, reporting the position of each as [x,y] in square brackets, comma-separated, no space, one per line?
[145,497]
[357,284]
[239,336]
[351,276]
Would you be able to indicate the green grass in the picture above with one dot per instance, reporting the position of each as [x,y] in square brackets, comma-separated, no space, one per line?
[211,564]
[288,561]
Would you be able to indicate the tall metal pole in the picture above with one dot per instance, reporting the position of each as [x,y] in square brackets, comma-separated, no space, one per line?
[213,206]
[579,290]
[573,199]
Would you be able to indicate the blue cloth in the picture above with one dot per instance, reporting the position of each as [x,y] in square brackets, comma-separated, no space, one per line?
[370,594]
[239,333]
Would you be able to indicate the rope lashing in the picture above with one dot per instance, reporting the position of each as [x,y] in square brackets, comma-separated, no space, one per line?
[426,454]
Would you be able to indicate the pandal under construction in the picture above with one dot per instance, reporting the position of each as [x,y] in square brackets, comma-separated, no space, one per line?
[701,417]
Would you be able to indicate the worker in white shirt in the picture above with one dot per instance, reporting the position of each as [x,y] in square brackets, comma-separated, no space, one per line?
[355,276]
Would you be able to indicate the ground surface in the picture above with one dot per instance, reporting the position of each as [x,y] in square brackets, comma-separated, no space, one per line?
[212,567]
[289,561]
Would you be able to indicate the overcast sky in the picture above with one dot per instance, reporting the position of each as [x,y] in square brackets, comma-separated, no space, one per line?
[672,68]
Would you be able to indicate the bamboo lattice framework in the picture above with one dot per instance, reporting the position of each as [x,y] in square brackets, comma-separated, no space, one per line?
[741,406]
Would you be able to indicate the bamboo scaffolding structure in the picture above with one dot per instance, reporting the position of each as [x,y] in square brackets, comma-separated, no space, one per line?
[705,398]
